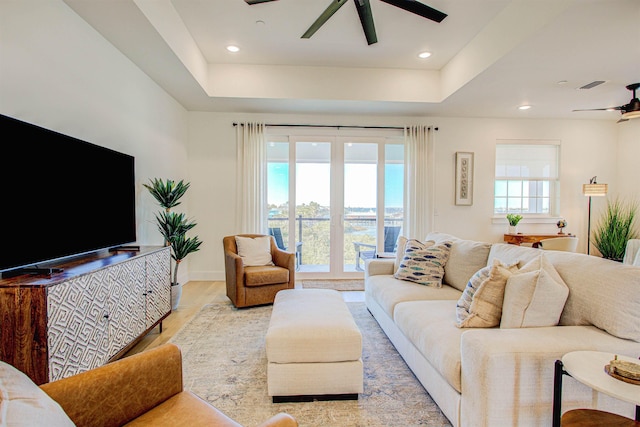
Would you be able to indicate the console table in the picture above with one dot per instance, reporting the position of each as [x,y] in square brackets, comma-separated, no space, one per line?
[90,313]
[520,238]
[588,368]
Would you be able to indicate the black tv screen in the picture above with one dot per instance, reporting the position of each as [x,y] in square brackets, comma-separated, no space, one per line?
[61,196]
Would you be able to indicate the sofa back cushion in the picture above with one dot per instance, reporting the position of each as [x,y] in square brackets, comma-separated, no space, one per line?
[465,258]
[602,293]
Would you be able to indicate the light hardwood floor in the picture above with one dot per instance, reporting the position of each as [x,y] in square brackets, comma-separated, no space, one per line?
[195,295]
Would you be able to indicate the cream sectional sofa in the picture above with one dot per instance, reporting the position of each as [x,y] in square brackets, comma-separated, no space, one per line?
[498,376]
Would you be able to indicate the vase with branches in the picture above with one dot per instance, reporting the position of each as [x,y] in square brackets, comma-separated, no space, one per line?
[615,228]
[173,226]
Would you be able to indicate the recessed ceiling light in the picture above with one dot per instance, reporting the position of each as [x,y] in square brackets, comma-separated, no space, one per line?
[424,55]
[524,107]
[232,48]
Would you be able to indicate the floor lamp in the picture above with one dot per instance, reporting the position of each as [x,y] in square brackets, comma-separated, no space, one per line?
[592,189]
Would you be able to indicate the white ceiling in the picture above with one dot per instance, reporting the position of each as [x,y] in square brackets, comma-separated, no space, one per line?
[488,56]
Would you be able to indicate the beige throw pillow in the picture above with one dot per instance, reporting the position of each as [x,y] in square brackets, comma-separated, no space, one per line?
[480,305]
[254,250]
[534,297]
[23,403]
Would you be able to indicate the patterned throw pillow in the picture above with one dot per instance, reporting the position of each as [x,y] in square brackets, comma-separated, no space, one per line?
[424,263]
[480,305]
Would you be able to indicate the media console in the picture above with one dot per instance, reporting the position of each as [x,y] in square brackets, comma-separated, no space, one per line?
[88,314]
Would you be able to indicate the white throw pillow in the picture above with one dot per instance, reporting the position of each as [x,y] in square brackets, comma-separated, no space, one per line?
[254,251]
[480,305]
[23,403]
[534,297]
[424,263]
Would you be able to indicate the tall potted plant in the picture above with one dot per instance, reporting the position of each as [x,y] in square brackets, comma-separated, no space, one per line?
[615,228]
[173,226]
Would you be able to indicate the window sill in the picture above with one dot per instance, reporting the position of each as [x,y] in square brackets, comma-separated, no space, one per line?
[528,220]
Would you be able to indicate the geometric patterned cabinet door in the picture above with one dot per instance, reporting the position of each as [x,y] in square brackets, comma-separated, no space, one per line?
[158,286]
[126,304]
[90,313]
[77,325]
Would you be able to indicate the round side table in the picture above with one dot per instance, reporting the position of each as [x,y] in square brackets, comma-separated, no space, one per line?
[588,368]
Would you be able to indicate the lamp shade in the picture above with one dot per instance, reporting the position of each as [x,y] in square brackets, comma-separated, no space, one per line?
[594,190]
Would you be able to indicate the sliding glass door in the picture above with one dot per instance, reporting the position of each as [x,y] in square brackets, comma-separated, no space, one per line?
[334,199]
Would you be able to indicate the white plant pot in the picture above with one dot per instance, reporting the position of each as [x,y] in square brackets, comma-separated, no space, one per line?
[176,293]
[513,229]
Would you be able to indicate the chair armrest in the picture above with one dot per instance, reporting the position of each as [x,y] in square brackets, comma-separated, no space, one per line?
[116,393]
[284,259]
[280,420]
[356,246]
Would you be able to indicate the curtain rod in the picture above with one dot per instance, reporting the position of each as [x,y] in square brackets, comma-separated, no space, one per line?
[332,126]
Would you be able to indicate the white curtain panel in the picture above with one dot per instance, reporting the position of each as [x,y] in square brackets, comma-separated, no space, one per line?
[251,202]
[419,180]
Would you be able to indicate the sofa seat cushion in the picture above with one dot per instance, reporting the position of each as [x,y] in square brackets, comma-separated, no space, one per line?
[430,326]
[23,403]
[265,275]
[194,412]
[388,291]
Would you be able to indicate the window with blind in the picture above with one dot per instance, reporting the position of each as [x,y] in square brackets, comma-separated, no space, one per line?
[526,177]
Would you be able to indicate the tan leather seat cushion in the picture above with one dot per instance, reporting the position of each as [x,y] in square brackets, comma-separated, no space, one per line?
[184,409]
[265,275]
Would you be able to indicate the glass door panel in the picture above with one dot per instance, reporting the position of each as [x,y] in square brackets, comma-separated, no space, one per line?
[393,195]
[360,204]
[313,204]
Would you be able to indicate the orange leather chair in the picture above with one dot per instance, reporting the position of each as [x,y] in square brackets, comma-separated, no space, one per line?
[143,389]
[257,285]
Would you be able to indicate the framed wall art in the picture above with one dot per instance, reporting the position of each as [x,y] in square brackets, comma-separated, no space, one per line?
[464,178]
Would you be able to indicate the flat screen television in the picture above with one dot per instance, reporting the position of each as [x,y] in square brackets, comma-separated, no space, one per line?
[61,196]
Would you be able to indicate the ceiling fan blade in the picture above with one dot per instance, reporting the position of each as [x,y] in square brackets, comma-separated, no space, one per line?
[622,120]
[324,17]
[258,1]
[602,109]
[418,8]
[366,19]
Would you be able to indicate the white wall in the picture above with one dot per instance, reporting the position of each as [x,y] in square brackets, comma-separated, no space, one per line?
[587,148]
[59,73]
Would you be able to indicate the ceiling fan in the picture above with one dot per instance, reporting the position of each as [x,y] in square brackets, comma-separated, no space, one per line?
[629,111]
[366,17]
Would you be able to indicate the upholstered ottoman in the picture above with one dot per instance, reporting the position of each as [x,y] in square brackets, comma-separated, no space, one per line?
[314,347]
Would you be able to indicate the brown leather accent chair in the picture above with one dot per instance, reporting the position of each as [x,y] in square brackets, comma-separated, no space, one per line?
[257,285]
[143,390]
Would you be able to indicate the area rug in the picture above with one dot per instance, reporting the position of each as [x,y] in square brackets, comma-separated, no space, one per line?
[337,284]
[225,363]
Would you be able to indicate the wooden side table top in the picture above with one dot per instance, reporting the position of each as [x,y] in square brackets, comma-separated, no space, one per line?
[595,418]
[588,368]
[519,238]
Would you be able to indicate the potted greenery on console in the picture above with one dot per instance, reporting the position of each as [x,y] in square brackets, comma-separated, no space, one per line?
[513,219]
[173,226]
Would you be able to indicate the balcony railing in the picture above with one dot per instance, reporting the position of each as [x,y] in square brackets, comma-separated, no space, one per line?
[314,234]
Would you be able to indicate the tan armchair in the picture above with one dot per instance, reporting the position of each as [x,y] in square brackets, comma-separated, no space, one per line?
[256,285]
[143,389]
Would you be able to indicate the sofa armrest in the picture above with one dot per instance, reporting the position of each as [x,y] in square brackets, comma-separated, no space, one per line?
[280,420]
[116,393]
[507,374]
[377,266]
[283,258]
